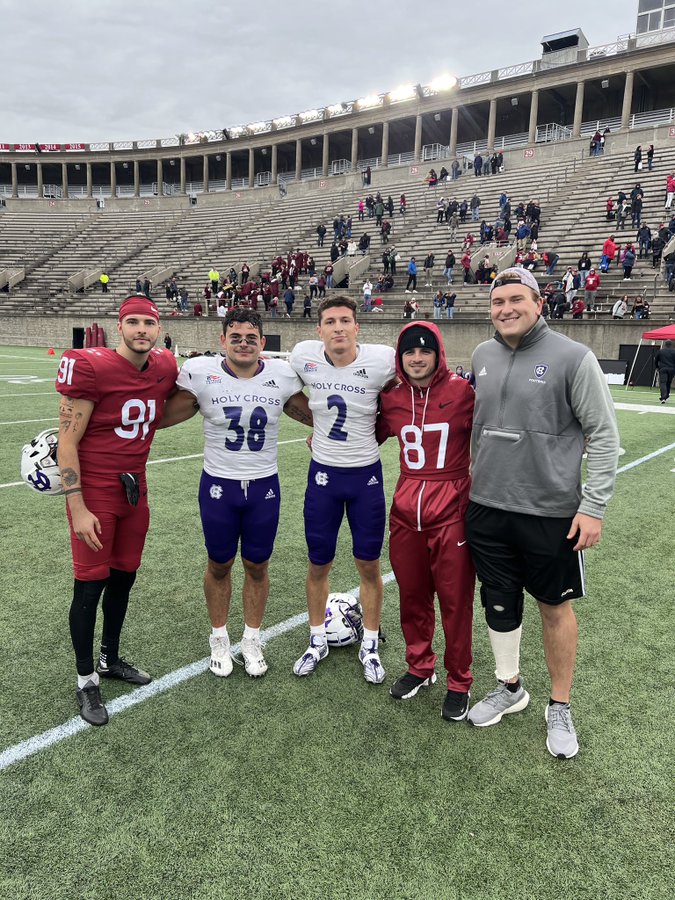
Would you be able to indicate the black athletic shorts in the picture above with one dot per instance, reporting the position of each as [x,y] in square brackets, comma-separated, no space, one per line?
[513,551]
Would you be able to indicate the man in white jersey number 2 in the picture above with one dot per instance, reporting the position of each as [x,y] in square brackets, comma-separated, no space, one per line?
[344,379]
[241,398]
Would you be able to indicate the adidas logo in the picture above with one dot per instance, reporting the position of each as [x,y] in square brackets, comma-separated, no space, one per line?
[270,495]
[270,383]
[483,371]
[360,373]
[373,480]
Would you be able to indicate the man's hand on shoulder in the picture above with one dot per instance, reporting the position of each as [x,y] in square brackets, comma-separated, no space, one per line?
[587,530]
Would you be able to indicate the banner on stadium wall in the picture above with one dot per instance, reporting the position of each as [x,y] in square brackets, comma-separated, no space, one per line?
[45,148]
[4,147]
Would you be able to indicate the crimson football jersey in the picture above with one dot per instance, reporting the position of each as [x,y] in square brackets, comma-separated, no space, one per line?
[128,406]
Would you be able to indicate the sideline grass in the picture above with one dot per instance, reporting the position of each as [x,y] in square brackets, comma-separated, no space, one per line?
[290,788]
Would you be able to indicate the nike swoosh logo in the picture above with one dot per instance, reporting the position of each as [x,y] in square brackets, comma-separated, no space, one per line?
[161,379]
[443,405]
[461,543]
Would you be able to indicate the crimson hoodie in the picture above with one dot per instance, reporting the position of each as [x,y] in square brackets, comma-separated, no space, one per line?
[433,427]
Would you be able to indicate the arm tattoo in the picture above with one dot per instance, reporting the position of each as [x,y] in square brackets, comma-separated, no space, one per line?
[69,477]
[298,413]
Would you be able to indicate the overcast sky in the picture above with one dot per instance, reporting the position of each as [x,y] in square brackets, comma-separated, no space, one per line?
[94,70]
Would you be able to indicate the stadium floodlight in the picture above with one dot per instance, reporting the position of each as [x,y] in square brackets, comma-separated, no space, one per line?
[237,131]
[282,122]
[310,115]
[403,92]
[369,102]
[337,109]
[257,127]
[443,83]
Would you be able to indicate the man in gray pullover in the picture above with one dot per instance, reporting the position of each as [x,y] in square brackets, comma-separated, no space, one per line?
[541,402]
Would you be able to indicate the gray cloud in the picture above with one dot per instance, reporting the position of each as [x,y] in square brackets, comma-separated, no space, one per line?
[123,69]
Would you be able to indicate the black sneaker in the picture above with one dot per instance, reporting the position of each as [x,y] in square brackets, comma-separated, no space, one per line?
[408,685]
[124,671]
[91,706]
[455,706]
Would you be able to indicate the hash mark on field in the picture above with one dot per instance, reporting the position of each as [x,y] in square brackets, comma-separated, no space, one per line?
[47,739]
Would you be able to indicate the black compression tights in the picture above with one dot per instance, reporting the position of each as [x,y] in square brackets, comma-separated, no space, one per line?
[86,595]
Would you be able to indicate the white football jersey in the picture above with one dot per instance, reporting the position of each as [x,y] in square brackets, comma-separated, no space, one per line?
[241,415]
[343,401]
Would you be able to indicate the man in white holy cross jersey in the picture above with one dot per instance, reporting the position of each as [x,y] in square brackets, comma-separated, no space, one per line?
[241,398]
[344,379]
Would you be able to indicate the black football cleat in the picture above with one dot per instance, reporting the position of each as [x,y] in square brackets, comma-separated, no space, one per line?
[91,706]
[123,671]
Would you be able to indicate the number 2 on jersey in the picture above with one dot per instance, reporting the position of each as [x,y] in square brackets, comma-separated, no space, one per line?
[337,432]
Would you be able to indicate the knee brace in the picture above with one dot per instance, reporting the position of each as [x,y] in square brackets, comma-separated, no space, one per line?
[503,609]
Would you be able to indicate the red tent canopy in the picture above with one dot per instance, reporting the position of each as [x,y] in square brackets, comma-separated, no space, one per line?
[660,334]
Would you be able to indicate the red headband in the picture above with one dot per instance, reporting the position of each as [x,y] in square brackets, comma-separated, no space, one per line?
[139,306]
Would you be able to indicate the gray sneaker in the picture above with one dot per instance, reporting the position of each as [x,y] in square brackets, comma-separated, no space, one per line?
[562,738]
[496,704]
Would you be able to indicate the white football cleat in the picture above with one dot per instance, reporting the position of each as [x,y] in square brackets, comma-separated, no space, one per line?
[251,657]
[221,661]
[311,658]
[373,670]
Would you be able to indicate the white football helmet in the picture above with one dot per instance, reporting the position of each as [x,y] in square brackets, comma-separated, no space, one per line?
[344,620]
[39,468]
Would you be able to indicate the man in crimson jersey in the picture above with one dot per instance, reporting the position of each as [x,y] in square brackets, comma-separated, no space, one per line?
[111,403]
[430,411]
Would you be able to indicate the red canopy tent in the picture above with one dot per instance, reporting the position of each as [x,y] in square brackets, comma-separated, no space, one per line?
[658,334]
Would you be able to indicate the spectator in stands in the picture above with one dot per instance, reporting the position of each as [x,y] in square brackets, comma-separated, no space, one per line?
[313,286]
[449,266]
[321,287]
[429,268]
[184,301]
[168,343]
[393,257]
[432,178]
[475,207]
[465,263]
[650,157]
[104,279]
[443,174]
[441,206]
[307,307]
[644,239]
[367,294]
[328,272]
[628,262]
[389,206]
[402,204]
[608,253]
[439,304]
[463,210]
[637,158]
[321,231]
[578,308]
[385,231]
[456,169]
[670,190]
[147,284]
[584,267]
[568,285]
[454,224]
[214,278]
[468,242]
[620,308]
[450,300]
[477,165]
[412,276]
[591,285]
[637,312]
[622,214]
[289,301]
[379,212]
[245,272]
[198,309]
[636,211]
[364,244]
[139,286]
[361,208]
[370,205]
[610,209]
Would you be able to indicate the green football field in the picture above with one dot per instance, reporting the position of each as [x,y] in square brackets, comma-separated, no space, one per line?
[324,787]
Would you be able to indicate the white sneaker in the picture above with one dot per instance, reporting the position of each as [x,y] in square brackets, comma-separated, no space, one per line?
[251,657]
[311,658]
[373,670]
[221,661]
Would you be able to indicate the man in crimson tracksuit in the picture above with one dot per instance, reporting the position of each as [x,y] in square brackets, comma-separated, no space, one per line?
[430,411]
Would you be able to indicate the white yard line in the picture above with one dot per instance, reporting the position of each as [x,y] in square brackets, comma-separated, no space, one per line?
[47,739]
[27,421]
